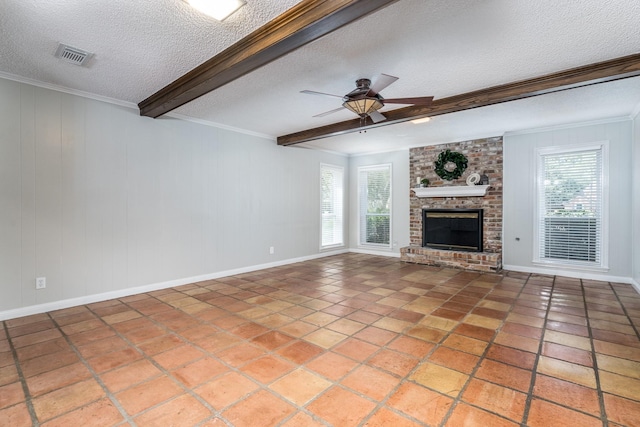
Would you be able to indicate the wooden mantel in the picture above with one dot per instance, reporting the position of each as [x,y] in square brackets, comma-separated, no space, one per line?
[452,191]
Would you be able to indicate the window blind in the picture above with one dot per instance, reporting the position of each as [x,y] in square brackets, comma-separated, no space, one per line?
[570,201]
[375,205]
[331,205]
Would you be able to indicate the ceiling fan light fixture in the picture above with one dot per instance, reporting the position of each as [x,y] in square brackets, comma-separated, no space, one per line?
[363,106]
[217,9]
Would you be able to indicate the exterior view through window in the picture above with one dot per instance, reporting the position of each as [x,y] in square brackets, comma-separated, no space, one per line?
[331,205]
[570,206]
[374,200]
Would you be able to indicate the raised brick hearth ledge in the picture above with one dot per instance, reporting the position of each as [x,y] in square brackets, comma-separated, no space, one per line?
[476,261]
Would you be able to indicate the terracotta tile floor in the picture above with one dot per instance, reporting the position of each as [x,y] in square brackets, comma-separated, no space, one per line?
[349,340]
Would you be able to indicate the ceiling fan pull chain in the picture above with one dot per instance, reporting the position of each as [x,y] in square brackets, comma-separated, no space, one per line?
[363,121]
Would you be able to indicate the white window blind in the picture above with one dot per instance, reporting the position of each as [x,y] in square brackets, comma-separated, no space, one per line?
[331,192]
[374,189]
[570,202]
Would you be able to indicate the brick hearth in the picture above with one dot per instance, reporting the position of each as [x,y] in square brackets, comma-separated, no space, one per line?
[477,261]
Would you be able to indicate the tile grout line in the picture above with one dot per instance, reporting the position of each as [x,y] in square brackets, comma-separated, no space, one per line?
[534,375]
[542,340]
[264,387]
[95,375]
[165,372]
[230,367]
[360,363]
[473,372]
[437,344]
[381,404]
[335,383]
[23,381]
[603,410]
[625,311]
[184,321]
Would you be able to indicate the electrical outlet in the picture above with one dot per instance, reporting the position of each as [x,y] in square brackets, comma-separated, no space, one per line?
[41,282]
[272,250]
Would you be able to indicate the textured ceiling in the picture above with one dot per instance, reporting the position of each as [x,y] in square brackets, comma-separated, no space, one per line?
[438,48]
[140,46]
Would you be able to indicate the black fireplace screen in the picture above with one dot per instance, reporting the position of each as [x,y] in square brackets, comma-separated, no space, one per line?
[452,229]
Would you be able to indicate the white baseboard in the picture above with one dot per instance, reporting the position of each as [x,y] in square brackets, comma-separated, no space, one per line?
[570,273]
[89,299]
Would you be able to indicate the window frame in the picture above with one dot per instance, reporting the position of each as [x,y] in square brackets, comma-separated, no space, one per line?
[341,170]
[361,243]
[540,153]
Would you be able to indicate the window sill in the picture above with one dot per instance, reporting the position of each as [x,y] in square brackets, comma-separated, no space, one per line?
[571,266]
[332,247]
[376,247]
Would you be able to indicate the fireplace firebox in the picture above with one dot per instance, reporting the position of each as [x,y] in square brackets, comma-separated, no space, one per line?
[452,229]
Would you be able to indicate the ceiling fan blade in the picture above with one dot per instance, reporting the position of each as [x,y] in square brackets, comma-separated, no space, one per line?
[313,92]
[422,100]
[377,117]
[381,82]
[326,113]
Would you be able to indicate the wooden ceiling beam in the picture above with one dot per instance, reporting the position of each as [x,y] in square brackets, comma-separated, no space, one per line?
[601,72]
[305,22]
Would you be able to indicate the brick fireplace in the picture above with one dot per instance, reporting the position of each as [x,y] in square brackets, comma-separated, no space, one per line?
[484,157]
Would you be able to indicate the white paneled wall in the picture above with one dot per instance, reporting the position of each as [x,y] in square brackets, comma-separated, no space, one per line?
[519,194]
[635,238]
[400,187]
[99,199]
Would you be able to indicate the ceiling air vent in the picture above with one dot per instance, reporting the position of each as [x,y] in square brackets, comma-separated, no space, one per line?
[74,55]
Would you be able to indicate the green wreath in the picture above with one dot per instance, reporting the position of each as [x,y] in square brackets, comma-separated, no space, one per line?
[447,157]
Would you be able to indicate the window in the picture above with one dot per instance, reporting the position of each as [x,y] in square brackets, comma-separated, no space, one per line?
[571,206]
[331,193]
[374,197]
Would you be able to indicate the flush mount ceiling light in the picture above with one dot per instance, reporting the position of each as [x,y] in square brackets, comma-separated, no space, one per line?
[218,9]
[422,120]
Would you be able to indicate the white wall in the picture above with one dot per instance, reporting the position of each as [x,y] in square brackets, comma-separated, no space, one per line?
[399,161]
[635,196]
[99,199]
[519,194]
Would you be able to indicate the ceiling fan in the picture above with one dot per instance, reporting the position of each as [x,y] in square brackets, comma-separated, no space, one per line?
[365,100]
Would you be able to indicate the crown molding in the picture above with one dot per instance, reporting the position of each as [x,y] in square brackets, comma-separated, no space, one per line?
[67,90]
